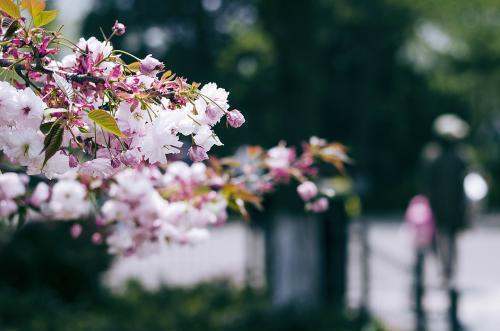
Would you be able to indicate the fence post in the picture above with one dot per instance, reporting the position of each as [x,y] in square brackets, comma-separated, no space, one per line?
[453,311]
[294,264]
[419,289]
[364,231]
[334,258]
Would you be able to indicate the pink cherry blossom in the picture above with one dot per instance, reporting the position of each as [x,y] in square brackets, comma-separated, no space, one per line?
[197,153]
[119,28]
[235,118]
[307,190]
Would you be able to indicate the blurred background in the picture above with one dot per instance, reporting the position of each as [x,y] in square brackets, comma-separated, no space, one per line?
[373,75]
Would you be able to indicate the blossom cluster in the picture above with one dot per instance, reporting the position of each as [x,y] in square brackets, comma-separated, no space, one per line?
[94,112]
[66,199]
[12,194]
[137,210]
[21,201]
[262,171]
[148,208]
[99,135]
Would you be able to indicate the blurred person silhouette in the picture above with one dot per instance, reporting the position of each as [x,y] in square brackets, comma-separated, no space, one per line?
[420,221]
[445,166]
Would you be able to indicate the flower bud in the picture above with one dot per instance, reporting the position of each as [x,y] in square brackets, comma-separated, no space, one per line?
[73,161]
[150,66]
[115,162]
[96,238]
[307,190]
[318,206]
[100,221]
[76,231]
[119,28]
[235,118]
[197,153]
[213,114]
[40,194]
[7,207]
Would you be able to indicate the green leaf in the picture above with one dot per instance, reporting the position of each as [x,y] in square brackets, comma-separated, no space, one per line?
[53,140]
[45,127]
[13,26]
[83,130]
[21,220]
[10,8]
[134,66]
[105,121]
[35,7]
[45,17]
[166,75]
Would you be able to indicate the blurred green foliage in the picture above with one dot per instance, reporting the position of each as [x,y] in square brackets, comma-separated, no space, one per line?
[205,308]
[372,74]
[44,257]
[49,281]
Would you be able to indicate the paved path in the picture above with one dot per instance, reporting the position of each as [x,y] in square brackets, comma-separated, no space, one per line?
[228,254]
[392,256]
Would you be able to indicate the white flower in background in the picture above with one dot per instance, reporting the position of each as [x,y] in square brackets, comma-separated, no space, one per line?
[7,207]
[195,173]
[279,157]
[121,239]
[150,208]
[307,190]
[184,236]
[11,186]
[198,172]
[68,200]
[179,169]
[175,212]
[206,138]
[40,195]
[99,168]
[130,185]
[114,210]
[203,217]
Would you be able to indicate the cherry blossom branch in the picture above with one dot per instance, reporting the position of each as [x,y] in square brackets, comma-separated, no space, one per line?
[77,78]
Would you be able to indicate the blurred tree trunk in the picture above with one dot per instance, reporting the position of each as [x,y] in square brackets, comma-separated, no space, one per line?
[307,258]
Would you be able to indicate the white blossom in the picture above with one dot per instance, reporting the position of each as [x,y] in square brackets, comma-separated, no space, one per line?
[68,200]
[97,49]
[206,138]
[11,186]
